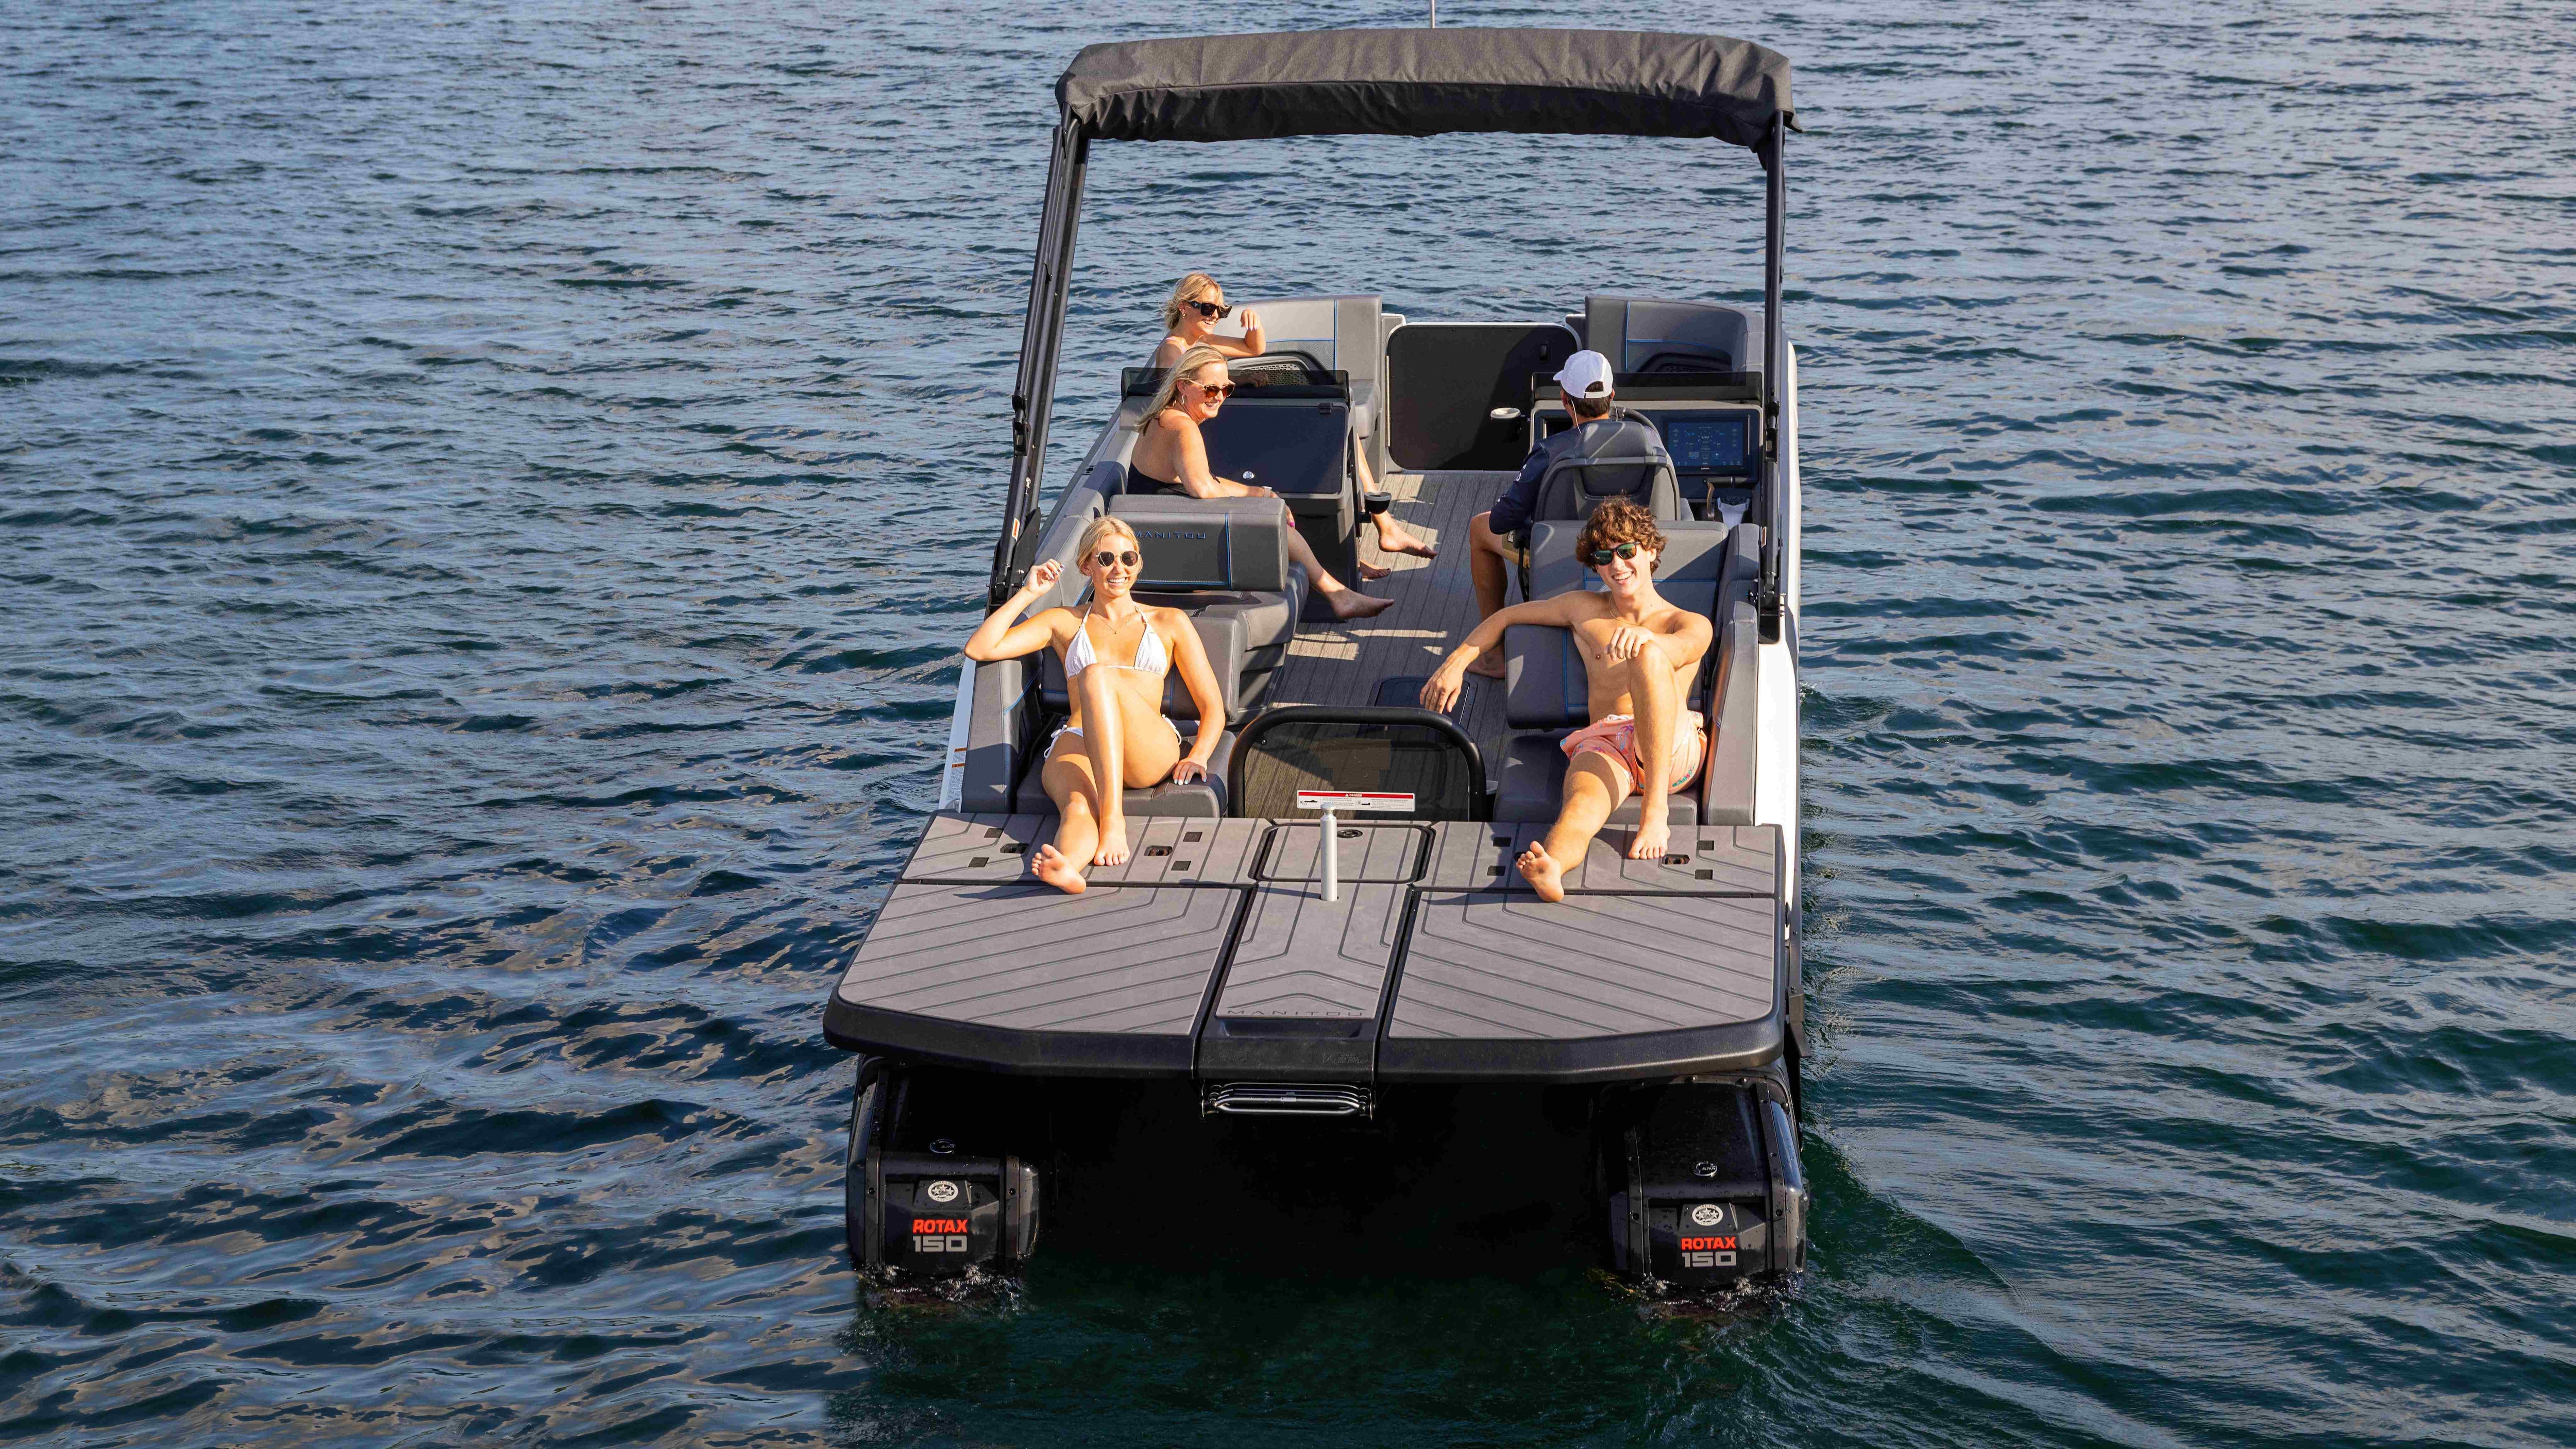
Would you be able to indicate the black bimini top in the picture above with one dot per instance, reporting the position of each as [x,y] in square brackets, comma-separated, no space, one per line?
[1424,82]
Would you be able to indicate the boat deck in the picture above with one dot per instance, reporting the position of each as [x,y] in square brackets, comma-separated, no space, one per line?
[1213,953]
[1344,664]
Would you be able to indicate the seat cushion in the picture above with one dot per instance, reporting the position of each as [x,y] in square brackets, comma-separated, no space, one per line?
[1200,800]
[1533,786]
[1269,617]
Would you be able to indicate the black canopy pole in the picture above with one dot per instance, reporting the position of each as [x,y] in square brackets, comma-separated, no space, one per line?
[1041,341]
[1775,365]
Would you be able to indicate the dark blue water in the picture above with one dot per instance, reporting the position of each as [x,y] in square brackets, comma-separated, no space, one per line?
[489,494]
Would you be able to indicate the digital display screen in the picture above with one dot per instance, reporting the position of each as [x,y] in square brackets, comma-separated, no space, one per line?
[1717,444]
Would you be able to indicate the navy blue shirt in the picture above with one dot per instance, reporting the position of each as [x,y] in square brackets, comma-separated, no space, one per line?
[1511,512]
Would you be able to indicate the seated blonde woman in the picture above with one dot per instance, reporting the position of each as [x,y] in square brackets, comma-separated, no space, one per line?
[1171,457]
[1116,654]
[1190,316]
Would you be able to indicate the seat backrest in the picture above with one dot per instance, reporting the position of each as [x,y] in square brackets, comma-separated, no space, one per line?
[1624,459]
[1208,543]
[1713,569]
[1289,748]
[1693,559]
[1640,335]
[1221,635]
[1340,333]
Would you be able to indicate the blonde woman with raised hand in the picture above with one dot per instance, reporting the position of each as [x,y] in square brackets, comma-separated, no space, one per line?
[1116,655]
[1190,316]
[1171,457]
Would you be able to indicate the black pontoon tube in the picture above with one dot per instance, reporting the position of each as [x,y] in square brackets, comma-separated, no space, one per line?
[1775,370]
[1041,340]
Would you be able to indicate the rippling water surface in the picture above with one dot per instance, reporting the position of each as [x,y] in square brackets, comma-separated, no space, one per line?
[489,494]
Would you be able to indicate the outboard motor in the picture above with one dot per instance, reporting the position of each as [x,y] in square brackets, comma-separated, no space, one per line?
[916,1197]
[1705,1185]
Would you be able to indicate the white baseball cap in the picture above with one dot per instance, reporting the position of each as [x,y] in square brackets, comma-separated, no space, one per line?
[1586,374]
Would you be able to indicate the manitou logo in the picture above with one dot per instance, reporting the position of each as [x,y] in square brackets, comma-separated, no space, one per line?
[958,1225]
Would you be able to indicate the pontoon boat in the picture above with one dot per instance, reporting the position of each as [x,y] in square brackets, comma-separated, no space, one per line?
[1328,936]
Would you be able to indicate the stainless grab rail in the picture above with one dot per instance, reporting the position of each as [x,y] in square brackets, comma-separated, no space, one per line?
[1283,1099]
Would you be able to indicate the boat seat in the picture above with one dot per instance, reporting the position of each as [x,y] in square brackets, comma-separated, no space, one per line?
[1199,799]
[1220,634]
[1642,335]
[1687,573]
[1705,567]
[1269,619]
[1624,460]
[1532,788]
[1217,559]
[1224,554]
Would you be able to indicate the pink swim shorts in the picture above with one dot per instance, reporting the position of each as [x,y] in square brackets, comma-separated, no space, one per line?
[1616,737]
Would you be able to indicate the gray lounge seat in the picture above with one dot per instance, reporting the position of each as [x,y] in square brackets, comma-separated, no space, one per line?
[1197,800]
[1222,558]
[1706,567]
[1687,573]
[1643,336]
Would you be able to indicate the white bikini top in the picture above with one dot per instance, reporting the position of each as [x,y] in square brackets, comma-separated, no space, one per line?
[1151,657]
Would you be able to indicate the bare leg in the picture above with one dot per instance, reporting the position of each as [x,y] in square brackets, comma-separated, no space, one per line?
[1104,742]
[1150,747]
[1392,537]
[1595,783]
[1489,556]
[1067,778]
[1346,602]
[1650,686]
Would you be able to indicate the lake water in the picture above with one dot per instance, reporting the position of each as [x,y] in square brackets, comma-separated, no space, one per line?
[489,495]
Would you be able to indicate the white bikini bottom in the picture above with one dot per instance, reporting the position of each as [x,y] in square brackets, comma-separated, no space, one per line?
[1076,731]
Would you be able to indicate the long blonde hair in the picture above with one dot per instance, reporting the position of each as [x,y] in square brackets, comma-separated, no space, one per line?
[1185,291]
[1191,361]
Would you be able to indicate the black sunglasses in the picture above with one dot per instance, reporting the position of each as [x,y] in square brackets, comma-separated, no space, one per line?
[1602,556]
[1106,557]
[1212,310]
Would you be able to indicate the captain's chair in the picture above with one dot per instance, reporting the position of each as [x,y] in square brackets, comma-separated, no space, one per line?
[1625,459]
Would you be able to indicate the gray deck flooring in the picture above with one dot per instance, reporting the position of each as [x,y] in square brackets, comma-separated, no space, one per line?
[1435,608]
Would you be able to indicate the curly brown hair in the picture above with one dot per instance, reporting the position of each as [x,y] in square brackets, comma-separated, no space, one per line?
[1616,522]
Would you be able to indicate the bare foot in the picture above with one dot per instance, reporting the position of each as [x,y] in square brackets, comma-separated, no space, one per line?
[1352,604]
[1542,872]
[1487,666]
[1391,538]
[1052,867]
[1113,842]
[1654,835]
[1371,573]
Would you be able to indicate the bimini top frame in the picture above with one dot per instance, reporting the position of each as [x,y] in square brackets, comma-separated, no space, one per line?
[1392,83]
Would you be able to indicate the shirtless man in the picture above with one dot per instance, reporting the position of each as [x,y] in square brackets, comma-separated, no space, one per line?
[1639,652]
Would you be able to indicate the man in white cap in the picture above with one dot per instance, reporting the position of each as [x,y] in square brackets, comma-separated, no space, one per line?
[1585,385]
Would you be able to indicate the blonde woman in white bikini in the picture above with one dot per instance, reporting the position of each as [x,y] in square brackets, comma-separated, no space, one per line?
[1116,654]
[1190,316]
